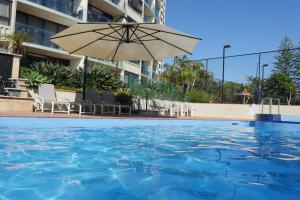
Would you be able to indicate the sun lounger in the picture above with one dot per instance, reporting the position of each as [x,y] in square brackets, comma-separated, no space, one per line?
[108,100]
[48,100]
[156,106]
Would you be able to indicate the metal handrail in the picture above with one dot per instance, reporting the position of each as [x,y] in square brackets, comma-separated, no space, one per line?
[270,104]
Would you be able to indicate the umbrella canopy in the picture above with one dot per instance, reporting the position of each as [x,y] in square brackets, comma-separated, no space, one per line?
[125,41]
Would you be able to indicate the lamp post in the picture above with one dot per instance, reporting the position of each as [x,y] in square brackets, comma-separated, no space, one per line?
[222,94]
[262,80]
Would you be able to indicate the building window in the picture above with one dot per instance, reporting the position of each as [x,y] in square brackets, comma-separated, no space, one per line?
[38,29]
[29,59]
[5,12]
[130,78]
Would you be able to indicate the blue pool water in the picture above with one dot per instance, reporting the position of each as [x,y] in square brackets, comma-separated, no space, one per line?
[148,159]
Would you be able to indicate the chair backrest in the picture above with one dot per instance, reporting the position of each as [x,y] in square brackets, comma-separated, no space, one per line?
[47,92]
[1,85]
[155,104]
[92,96]
[108,97]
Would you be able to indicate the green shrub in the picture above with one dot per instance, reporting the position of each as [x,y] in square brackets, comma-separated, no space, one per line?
[33,78]
[124,98]
[58,74]
[197,97]
[99,77]
[151,90]
[103,78]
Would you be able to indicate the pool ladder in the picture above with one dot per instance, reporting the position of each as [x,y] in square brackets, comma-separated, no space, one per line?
[270,104]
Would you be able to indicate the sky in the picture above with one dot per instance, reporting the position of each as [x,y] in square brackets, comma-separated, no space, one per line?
[247,25]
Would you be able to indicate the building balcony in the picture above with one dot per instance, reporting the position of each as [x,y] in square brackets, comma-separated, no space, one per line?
[148,19]
[96,17]
[136,62]
[157,16]
[37,35]
[112,7]
[158,3]
[117,2]
[136,5]
[149,8]
[64,6]
[113,64]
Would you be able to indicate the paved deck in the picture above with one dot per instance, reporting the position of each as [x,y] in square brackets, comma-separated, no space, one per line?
[60,115]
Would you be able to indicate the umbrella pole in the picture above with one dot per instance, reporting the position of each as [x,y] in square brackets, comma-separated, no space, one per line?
[84,78]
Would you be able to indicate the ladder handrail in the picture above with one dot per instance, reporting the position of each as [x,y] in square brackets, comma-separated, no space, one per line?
[270,104]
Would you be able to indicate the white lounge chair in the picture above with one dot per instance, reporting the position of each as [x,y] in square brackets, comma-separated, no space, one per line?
[182,109]
[156,106]
[47,98]
[171,108]
[96,105]
[108,100]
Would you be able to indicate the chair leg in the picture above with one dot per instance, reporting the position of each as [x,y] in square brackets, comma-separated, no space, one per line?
[80,109]
[69,108]
[52,108]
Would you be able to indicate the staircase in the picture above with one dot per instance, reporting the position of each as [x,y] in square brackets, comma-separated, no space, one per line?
[16,88]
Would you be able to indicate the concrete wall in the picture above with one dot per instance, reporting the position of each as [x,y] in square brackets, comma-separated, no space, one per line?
[70,96]
[232,111]
[15,104]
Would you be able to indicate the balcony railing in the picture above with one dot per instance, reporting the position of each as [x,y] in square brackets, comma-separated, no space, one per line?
[63,6]
[37,35]
[148,19]
[97,17]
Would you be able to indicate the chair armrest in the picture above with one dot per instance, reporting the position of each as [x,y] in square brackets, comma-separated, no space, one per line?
[39,99]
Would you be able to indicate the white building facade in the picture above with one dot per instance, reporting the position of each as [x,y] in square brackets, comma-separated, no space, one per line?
[43,18]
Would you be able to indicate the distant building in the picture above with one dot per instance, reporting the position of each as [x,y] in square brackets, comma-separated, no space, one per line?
[44,18]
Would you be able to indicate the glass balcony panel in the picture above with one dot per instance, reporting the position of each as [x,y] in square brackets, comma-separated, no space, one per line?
[64,6]
[150,4]
[148,19]
[37,35]
[145,70]
[98,17]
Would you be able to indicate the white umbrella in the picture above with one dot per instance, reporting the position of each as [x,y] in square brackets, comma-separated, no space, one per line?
[125,41]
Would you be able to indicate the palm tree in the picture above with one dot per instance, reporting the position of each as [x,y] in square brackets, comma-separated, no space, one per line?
[15,42]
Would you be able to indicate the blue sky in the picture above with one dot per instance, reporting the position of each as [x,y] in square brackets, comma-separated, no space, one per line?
[248,25]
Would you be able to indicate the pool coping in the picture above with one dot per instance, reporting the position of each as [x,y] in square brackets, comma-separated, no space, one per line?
[133,117]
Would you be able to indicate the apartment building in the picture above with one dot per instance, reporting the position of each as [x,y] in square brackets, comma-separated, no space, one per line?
[43,18]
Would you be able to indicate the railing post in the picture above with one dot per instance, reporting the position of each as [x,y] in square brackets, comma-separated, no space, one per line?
[270,107]
[262,106]
[278,106]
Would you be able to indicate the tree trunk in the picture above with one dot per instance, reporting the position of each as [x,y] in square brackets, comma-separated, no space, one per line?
[289,99]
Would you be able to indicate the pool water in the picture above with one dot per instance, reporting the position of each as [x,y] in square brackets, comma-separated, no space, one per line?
[147,159]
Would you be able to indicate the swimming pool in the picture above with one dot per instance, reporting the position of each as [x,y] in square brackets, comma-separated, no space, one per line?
[148,159]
